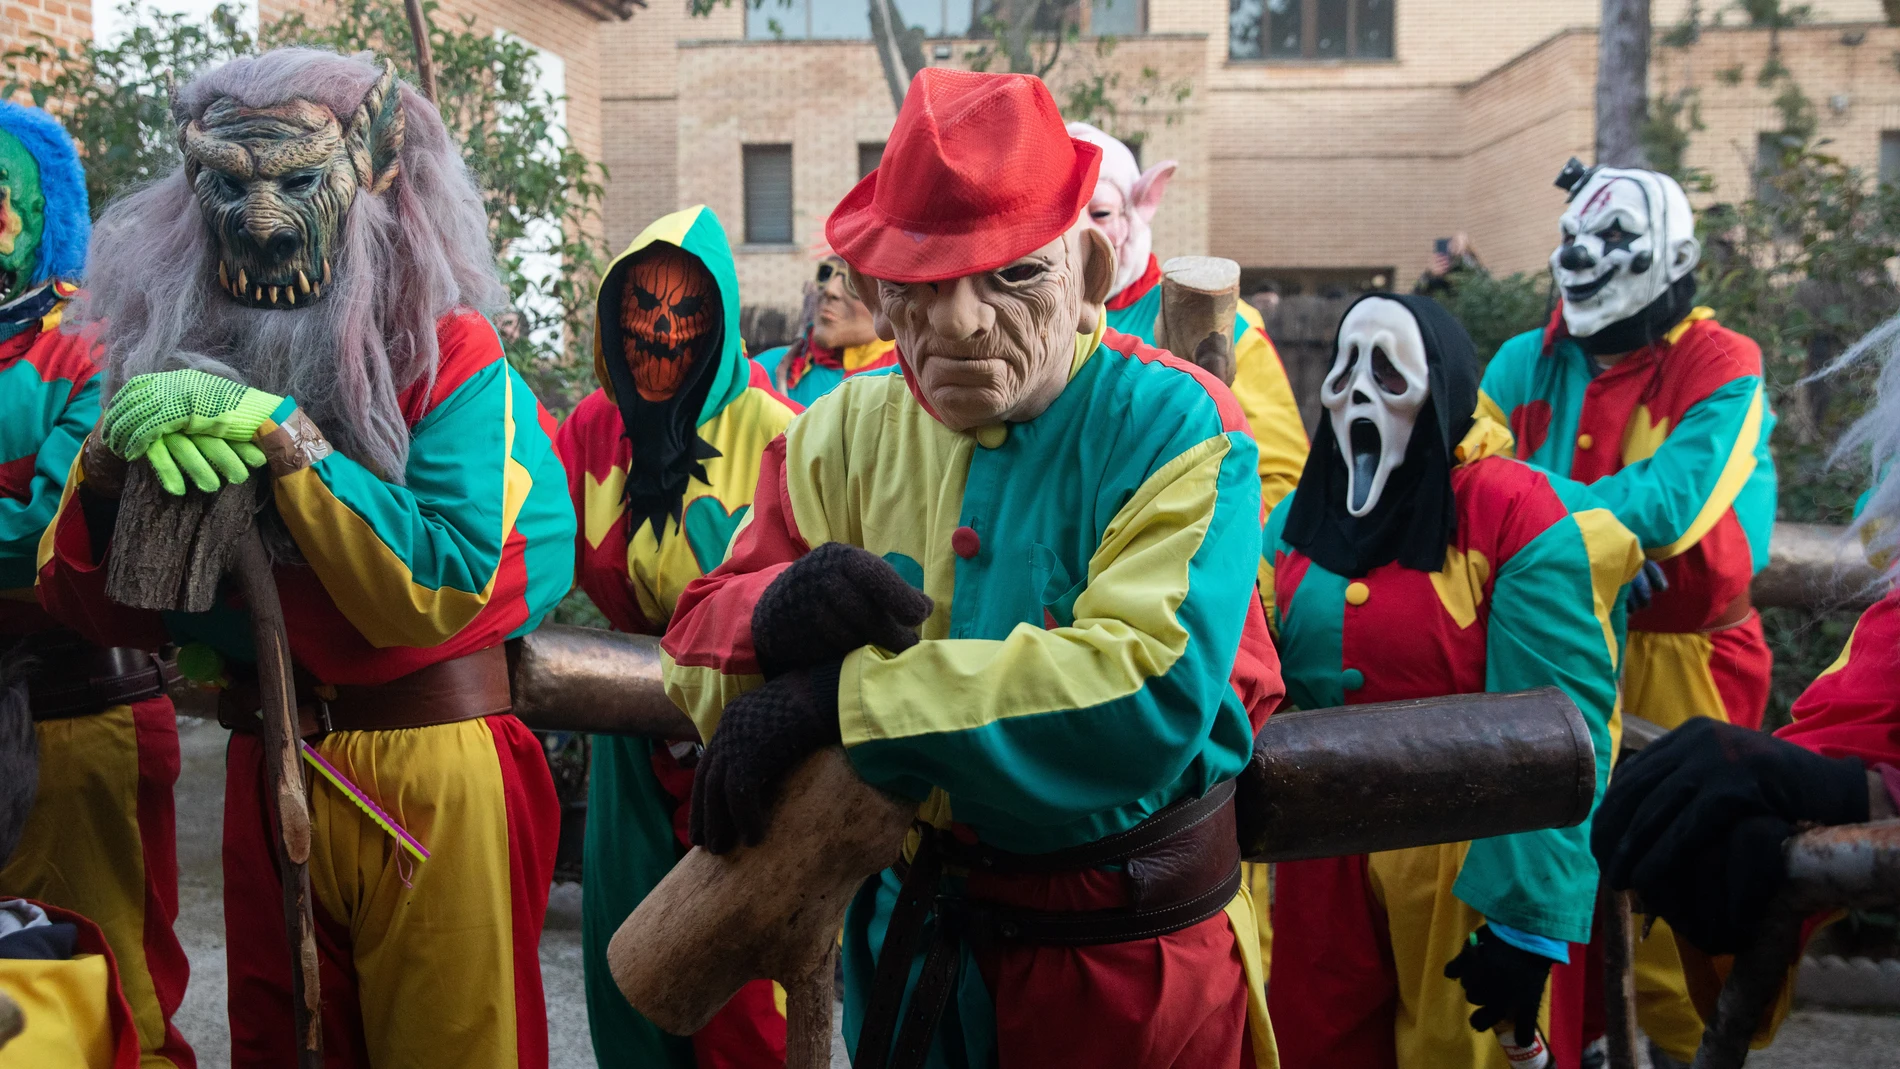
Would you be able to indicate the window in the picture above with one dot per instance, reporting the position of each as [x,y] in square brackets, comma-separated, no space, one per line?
[870,154]
[807,20]
[1115,18]
[1890,157]
[768,194]
[1769,147]
[1309,29]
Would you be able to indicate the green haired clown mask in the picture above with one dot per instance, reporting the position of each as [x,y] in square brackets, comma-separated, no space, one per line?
[22,218]
[44,222]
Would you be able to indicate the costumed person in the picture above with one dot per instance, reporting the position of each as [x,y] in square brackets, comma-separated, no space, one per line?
[306,293]
[1695,823]
[62,1005]
[836,341]
[1014,579]
[1417,560]
[662,461]
[100,841]
[1123,207]
[1634,390]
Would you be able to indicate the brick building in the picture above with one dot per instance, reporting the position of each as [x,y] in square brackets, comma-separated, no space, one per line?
[1321,142]
[67,22]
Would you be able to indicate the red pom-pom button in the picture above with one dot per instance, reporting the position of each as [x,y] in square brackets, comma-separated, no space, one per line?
[965,543]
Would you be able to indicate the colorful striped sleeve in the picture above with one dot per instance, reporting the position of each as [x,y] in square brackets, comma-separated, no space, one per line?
[1138,682]
[1555,621]
[1682,484]
[707,656]
[61,395]
[412,563]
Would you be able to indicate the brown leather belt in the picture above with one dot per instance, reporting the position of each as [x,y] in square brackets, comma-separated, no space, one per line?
[1182,866]
[76,678]
[1737,612]
[447,692]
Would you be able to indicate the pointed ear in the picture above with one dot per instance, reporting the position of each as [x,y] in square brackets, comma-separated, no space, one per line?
[375,133]
[1098,275]
[864,288]
[1146,196]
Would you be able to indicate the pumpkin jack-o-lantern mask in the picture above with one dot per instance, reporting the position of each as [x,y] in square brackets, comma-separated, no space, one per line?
[669,312]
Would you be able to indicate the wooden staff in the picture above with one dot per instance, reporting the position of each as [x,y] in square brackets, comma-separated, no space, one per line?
[425,58]
[1619,979]
[1199,295]
[168,553]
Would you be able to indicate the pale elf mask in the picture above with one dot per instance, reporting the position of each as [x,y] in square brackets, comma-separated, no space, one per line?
[1125,202]
[671,322]
[1399,398]
[1626,261]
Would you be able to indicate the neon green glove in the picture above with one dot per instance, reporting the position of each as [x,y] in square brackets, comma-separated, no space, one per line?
[197,403]
[208,462]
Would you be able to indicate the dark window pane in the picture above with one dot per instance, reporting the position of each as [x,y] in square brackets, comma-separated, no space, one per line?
[1243,28]
[768,194]
[1890,156]
[869,153]
[1372,29]
[1114,17]
[1329,33]
[1283,28]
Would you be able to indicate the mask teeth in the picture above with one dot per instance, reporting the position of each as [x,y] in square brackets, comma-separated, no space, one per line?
[326,271]
[258,296]
[290,296]
[303,282]
[243,284]
[224,279]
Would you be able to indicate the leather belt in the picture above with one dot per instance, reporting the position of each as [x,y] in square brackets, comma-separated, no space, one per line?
[447,692]
[1182,864]
[76,678]
[1738,611]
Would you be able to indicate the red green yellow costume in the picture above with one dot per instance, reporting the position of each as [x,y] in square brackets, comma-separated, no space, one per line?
[1528,597]
[638,790]
[1092,575]
[1673,439]
[100,841]
[433,961]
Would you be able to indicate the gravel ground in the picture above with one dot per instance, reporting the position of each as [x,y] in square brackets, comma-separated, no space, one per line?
[1812,1039]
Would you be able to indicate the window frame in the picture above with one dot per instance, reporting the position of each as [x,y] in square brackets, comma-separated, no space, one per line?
[1309,38]
[747,153]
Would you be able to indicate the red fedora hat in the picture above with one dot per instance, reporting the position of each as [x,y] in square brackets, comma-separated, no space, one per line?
[979,170]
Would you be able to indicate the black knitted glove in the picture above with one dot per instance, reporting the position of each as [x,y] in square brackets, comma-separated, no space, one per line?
[831,601]
[1688,791]
[1648,582]
[763,735]
[1717,897]
[1506,983]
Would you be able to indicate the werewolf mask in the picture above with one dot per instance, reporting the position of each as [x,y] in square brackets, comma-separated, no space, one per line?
[275,185]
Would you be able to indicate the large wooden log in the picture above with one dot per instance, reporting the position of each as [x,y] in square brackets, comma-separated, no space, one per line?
[1336,782]
[1814,566]
[585,679]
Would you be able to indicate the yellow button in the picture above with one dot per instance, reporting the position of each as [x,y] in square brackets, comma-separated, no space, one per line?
[1584,441]
[993,435]
[1357,593]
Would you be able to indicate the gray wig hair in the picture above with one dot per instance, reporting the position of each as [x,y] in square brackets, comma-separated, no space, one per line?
[1877,431]
[405,258]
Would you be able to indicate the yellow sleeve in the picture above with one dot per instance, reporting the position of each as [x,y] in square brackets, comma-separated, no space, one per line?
[1265,395]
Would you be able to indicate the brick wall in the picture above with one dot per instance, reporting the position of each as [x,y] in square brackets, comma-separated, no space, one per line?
[548,25]
[67,22]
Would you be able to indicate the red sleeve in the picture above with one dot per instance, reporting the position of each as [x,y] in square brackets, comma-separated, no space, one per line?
[712,624]
[1853,708]
[1256,675]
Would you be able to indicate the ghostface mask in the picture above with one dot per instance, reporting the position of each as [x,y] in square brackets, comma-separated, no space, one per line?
[1628,235]
[1377,385]
[669,307]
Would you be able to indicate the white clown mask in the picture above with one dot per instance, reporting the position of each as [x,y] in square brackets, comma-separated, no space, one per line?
[1377,385]
[1627,235]
[1125,201]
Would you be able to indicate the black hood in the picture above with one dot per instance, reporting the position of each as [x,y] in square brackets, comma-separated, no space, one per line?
[1416,516]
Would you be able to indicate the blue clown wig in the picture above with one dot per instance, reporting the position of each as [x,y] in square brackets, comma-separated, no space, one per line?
[63,183]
